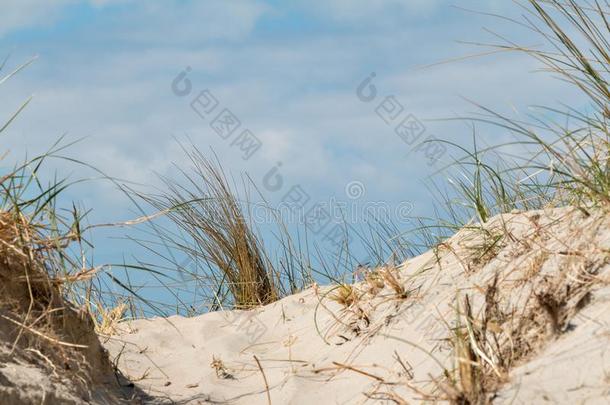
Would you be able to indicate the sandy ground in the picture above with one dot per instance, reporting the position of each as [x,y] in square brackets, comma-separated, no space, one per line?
[26,381]
[309,349]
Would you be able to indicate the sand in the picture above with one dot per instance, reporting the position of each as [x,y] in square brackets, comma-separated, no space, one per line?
[308,349]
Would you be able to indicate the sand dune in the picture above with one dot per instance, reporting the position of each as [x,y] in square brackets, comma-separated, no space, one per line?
[382,346]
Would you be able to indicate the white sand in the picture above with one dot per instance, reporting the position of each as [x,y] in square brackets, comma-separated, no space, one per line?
[312,350]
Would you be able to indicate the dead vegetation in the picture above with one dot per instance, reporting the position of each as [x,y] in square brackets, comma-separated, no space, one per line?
[221,370]
[345,295]
[510,328]
[108,319]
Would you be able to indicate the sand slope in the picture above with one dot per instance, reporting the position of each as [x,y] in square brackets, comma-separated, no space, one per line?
[49,351]
[308,349]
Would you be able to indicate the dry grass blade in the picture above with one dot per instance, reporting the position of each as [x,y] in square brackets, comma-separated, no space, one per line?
[356,370]
[42,335]
[258,363]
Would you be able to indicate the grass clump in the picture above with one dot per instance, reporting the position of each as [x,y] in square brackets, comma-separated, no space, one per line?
[572,159]
[345,295]
[391,278]
[478,370]
[216,234]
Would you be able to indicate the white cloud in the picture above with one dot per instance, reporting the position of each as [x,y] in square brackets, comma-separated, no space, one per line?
[21,14]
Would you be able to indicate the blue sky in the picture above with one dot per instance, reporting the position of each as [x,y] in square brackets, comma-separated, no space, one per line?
[288,70]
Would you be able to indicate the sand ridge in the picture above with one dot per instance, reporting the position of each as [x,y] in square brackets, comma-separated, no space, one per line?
[308,348]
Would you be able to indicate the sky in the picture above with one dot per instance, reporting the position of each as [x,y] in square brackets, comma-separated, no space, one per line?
[292,73]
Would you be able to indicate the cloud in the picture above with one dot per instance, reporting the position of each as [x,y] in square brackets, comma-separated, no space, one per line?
[358,10]
[23,14]
[182,23]
[160,21]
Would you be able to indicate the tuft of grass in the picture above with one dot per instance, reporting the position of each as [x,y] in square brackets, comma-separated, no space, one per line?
[574,159]
[375,282]
[214,231]
[391,278]
[109,318]
[345,295]
[477,372]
